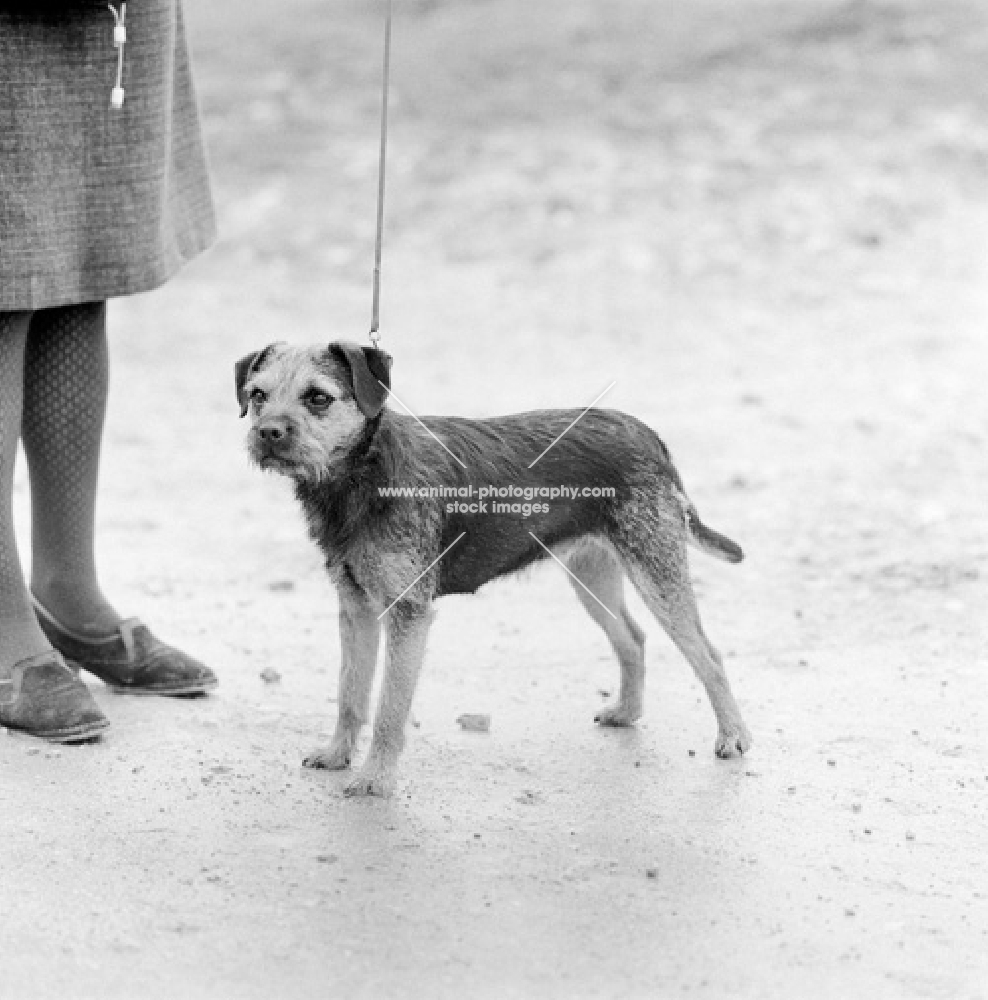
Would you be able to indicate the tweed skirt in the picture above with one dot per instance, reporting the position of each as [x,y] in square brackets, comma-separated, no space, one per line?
[97,202]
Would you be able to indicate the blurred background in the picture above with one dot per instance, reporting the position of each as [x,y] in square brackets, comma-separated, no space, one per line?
[767,222]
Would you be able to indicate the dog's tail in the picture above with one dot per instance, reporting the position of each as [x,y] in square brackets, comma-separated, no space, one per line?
[705,538]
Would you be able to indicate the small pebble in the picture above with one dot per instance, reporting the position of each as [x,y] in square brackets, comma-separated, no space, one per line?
[475,723]
[270,676]
[910,835]
[651,873]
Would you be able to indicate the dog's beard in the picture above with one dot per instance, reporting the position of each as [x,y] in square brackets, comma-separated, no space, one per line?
[278,464]
[269,460]
[294,465]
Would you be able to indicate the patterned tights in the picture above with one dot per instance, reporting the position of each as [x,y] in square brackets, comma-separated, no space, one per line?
[53,385]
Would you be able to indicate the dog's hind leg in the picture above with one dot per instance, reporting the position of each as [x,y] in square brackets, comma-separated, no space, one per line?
[407,627]
[661,576]
[598,580]
[360,636]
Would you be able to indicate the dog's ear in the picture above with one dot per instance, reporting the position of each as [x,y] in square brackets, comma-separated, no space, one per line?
[370,372]
[246,367]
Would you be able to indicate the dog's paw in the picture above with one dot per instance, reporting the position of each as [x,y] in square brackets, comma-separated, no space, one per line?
[331,759]
[618,714]
[373,781]
[733,743]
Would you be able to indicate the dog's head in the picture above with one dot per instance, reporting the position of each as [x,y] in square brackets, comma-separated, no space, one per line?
[310,405]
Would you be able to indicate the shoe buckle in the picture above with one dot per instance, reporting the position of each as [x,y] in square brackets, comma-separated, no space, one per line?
[126,631]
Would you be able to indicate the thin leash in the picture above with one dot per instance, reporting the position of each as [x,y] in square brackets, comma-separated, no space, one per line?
[375,328]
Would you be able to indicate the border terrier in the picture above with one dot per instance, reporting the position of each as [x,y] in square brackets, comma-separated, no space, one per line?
[318,416]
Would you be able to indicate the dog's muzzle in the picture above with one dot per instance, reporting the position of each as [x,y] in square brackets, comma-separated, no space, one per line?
[274,440]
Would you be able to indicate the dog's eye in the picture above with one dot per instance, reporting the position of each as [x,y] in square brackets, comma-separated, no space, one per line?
[258,396]
[319,400]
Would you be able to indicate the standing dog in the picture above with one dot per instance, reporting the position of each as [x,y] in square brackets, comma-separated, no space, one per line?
[318,417]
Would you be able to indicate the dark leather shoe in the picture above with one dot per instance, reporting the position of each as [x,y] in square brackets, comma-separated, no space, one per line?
[131,662]
[42,697]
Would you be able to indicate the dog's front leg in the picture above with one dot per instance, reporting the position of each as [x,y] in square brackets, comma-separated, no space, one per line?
[360,636]
[407,629]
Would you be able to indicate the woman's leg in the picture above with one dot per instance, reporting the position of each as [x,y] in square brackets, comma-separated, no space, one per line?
[20,636]
[66,377]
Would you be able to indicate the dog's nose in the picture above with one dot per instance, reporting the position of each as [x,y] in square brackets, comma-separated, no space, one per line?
[274,430]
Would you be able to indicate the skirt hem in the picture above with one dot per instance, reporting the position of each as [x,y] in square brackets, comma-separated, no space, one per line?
[30,292]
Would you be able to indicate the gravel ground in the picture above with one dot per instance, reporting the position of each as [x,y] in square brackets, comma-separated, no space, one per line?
[768,223]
